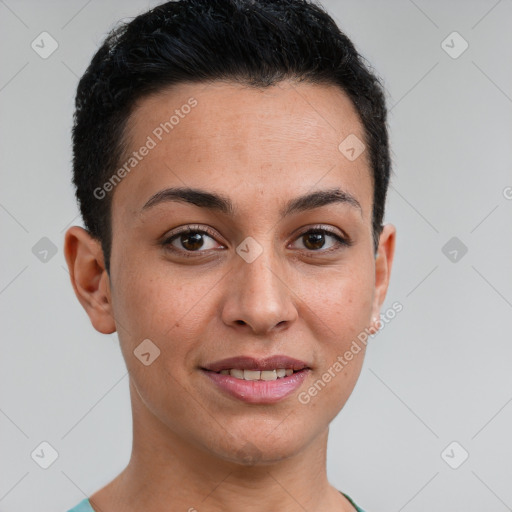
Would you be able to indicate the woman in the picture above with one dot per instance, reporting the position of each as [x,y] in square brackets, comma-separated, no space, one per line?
[231,163]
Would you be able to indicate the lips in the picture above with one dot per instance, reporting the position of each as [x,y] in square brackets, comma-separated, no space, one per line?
[255,364]
[257,381]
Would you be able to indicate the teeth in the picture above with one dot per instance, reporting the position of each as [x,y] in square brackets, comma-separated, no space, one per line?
[239,374]
[252,375]
[269,375]
[258,375]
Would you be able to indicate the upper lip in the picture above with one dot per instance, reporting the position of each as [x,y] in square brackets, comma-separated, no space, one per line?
[252,363]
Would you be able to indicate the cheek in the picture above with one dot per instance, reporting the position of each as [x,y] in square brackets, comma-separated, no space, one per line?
[140,302]
[342,301]
[342,305]
[155,306]
[341,347]
[350,308]
[167,307]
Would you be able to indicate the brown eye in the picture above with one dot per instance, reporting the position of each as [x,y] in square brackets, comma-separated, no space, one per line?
[322,240]
[314,240]
[192,242]
[189,241]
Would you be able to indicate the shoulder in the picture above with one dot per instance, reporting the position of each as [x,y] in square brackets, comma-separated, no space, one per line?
[358,509]
[83,506]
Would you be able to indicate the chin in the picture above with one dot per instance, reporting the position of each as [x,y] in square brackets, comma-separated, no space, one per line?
[261,450]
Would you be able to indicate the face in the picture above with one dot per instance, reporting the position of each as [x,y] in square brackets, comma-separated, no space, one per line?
[269,253]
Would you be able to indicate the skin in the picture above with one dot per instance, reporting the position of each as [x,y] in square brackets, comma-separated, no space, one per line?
[195,448]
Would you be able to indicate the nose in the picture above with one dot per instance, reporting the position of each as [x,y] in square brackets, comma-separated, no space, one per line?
[258,296]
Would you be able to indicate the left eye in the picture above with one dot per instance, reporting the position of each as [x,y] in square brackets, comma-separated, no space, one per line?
[315,240]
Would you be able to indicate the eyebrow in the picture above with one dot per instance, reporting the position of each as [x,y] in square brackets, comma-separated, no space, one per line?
[223,204]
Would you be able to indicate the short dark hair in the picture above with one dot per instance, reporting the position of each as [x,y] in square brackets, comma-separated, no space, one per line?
[252,42]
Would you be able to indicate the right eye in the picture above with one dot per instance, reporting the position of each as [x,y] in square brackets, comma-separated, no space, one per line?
[190,240]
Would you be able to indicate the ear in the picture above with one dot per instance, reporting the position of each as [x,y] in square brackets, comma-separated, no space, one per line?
[383,264]
[89,278]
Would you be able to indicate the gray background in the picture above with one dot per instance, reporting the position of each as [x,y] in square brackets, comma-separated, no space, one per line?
[438,373]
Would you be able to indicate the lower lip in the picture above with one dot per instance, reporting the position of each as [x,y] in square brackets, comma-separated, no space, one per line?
[258,391]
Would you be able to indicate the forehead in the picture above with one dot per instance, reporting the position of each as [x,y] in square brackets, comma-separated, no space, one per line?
[222,135]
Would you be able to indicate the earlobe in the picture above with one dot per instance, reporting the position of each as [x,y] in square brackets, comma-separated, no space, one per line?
[89,278]
[383,264]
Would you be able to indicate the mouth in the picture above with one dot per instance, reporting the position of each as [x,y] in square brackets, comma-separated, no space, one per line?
[248,363]
[265,375]
[254,380]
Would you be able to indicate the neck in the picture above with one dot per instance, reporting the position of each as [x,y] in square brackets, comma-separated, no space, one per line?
[167,472]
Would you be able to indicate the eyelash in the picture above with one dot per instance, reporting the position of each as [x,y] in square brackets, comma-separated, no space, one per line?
[167,243]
